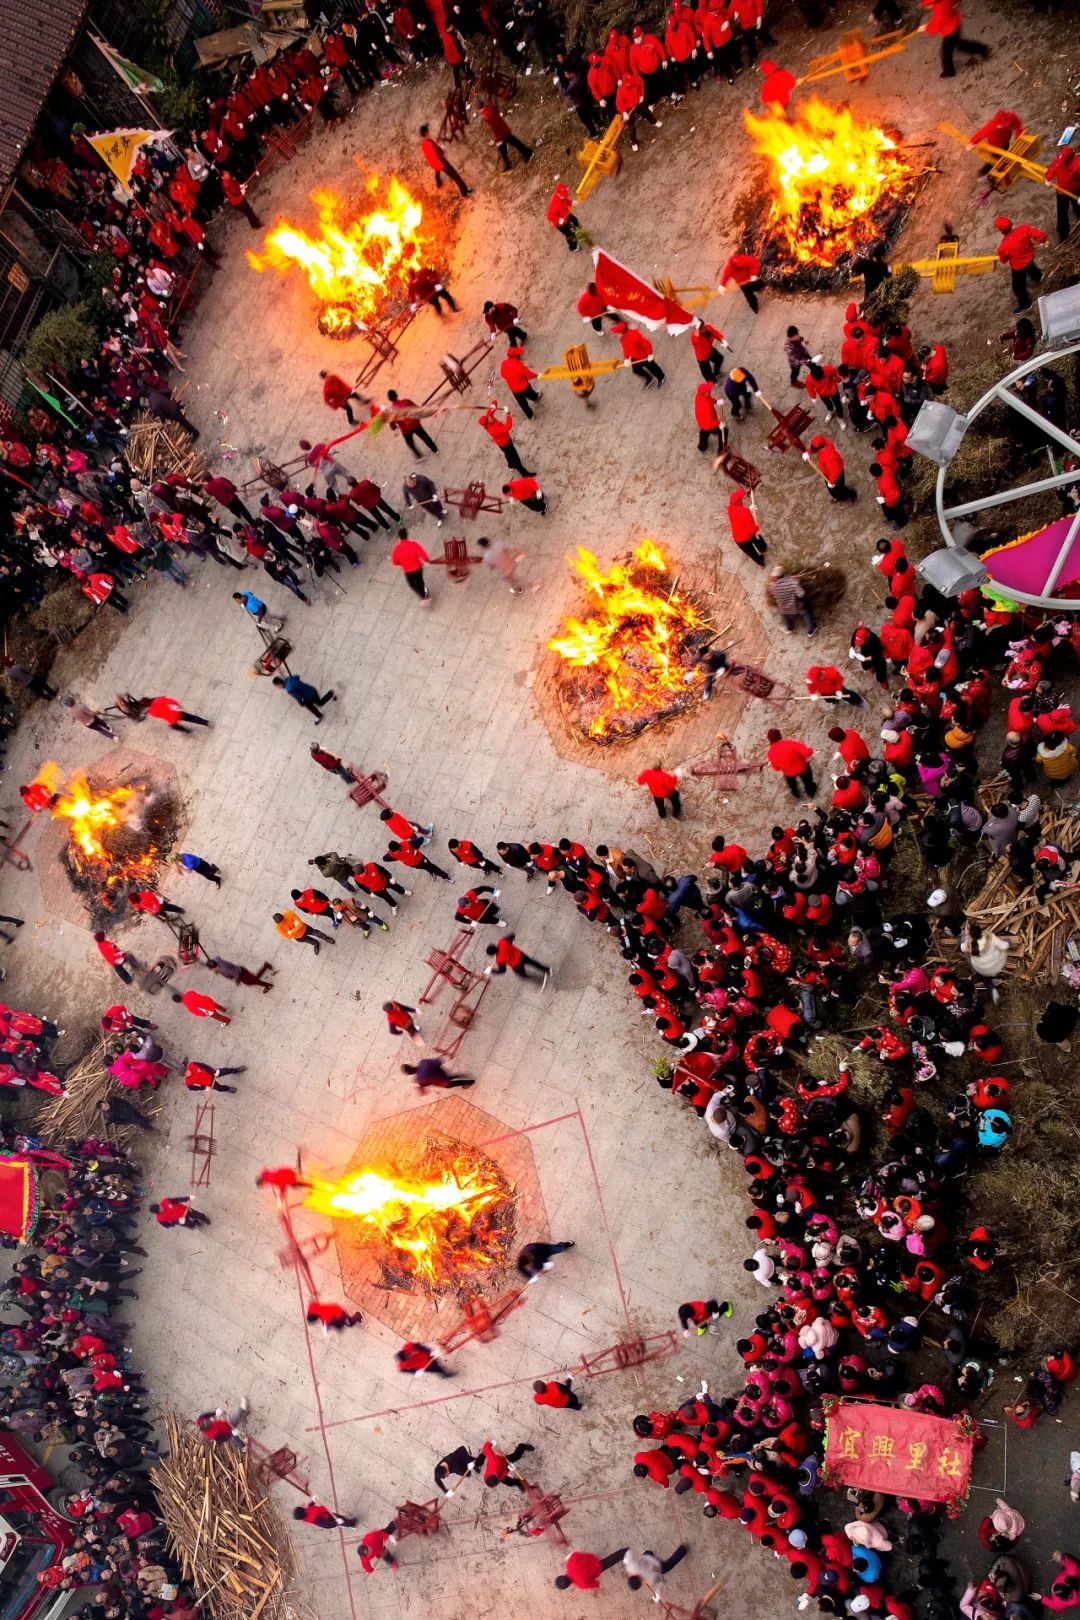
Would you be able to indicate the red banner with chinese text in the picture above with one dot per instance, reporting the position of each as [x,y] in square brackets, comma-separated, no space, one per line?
[624,290]
[888,1448]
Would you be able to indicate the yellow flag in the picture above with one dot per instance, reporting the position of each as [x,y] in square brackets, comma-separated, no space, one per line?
[118,148]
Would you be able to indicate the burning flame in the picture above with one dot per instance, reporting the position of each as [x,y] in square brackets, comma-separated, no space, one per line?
[829,174]
[429,1220]
[636,638]
[354,267]
[92,813]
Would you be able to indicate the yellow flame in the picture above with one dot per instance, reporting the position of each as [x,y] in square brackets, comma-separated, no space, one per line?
[91,811]
[633,633]
[420,1218]
[829,173]
[352,265]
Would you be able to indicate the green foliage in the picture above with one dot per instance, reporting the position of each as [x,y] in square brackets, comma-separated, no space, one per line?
[891,302]
[61,339]
[661,1069]
[180,105]
[98,270]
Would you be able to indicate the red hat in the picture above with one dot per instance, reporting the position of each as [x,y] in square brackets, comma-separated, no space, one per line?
[860,635]
[515,351]
[1002,223]
[616,326]
[703,387]
[766,65]
[593,58]
[818,442]
[637,32]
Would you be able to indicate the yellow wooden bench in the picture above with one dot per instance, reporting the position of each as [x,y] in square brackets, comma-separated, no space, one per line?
[947,264]
[599,158]
[854,58]
[580,371]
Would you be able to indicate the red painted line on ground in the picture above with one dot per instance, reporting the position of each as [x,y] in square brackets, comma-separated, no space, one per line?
[603,1217]
[460,1395]
[322,1430]
[557,1119]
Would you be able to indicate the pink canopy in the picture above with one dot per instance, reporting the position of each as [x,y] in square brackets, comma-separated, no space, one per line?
[1025,564]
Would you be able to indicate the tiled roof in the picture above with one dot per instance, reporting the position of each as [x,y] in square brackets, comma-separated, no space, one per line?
[34,39]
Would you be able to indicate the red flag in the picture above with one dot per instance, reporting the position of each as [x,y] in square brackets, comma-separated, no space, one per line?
[904,1453]
[625,291]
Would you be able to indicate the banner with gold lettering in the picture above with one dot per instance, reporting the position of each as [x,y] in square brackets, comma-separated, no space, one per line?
[888,1448]
[624,290]
[119,147]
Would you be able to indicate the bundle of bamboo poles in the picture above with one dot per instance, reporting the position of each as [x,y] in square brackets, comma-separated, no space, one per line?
[1038,931]
[156,447]
[223,1532]
[76,1112]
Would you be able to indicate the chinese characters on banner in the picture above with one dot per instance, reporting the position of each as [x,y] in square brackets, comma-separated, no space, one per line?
[888,1448]
[624,290]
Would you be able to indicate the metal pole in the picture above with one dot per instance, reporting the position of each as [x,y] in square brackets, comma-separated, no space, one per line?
[1041,485]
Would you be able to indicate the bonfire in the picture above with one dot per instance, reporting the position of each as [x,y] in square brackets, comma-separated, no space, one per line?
[359,260]
[837,186]
[436,1224]
[118,836]
[626,663]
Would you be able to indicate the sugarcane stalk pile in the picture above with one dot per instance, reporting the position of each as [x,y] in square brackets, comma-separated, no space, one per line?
[221,1528]
[1038,931]
[76,1112]
[156,447]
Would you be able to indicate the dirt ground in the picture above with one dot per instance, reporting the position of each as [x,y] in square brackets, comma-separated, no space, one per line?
[445,699]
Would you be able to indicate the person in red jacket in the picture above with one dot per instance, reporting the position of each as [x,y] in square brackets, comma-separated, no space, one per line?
[649,59]
[498,428]
[178,1211]
[560,213]
[602,79]
[411,428]
[559,1395]
[438,162]
[638,354]
[168,710]
[744,527]
[703,341]
[373,1545]
[1017,250]
[592,308]
[830,464]
[823,383]
[708,419]
[718,40]
[744,269]
[584,1569]
[664,787]
[152,904]
[630,100]
[1064,173]
[890,497]
[776,86]
[519,378]
[935,367]
[527,490]
[825,681]
[503,136]
[509,955]
[322,1517]
[998,131]
[790,759]
[850,746]
[410,557]
[116,958]
[681,44]
[336,393]
[945,21]
[200,1006]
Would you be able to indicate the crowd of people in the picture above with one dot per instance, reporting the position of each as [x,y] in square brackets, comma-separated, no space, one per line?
[860,1222]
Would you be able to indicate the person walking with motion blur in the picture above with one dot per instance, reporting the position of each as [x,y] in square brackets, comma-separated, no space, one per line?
[291,926]
[510,956]
[401,1020]
[664,787]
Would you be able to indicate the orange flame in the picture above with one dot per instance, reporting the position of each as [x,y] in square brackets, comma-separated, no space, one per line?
[636,637]
[354,267]
[427,1221]
[829,174]
[92,813]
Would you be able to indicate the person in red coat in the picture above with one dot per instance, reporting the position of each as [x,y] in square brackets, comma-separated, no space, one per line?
[602,79]
[503,136]
[664,787]
[830,463]
[630,100]
[519,378]
[890,498]
[776,86]
[744,528]
[1064,172]
[790,759]
[708,419]
[718,39]
[526,490]
[557,1394]
[499,430]
[744,269]
[336,393]
[438,162]
[681,44]
[649,59]
[823,382]
[935,365]
[592,307]
[703,341]
[410,556]
[945,21]
[638,354]
[560,213]
[1017,250]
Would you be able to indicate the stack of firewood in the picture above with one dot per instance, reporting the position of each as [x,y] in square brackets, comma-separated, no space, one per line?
[222,1530]
[156,447]
[1038,932]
